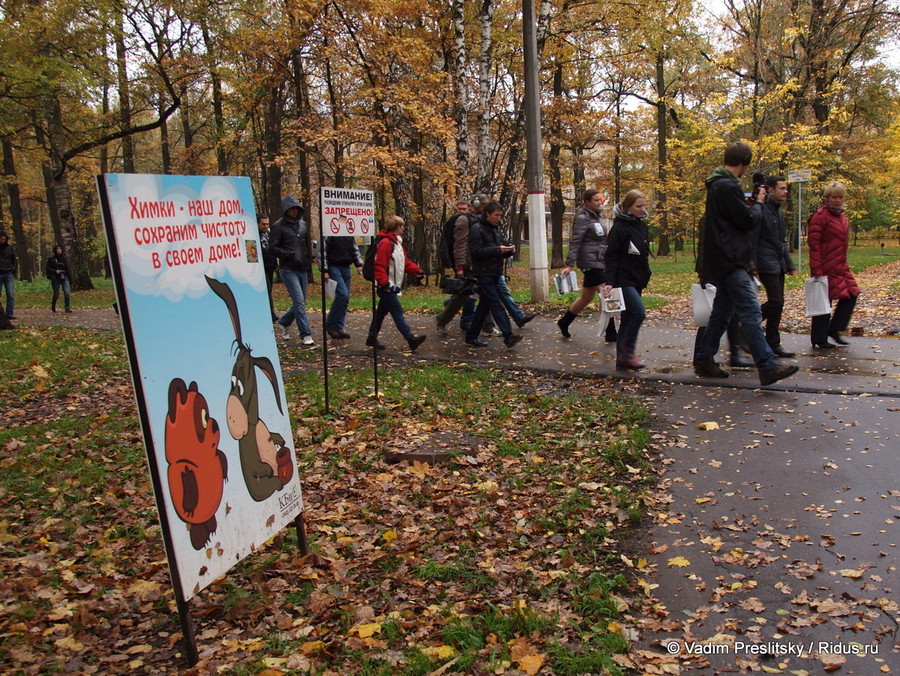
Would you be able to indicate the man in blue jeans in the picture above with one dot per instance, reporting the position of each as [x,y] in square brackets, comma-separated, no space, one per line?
[289,241]
[340,254]
[732,228]
[9,263]
[488,250]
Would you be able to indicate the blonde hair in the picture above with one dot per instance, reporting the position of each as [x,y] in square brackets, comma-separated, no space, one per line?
[393,222]
[630,198]
[835,188]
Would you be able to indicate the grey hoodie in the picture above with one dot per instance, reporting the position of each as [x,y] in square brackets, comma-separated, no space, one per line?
[289,239]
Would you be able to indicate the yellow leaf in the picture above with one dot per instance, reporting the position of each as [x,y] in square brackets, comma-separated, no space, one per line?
[701,501]
[366,630]
[708,426]
[679,561]
[312,647]
[439,652]
[770,670]
[40,371]
[851,573]
[614,628]
[420,469]
[69,643]
[389,536]
[531,664]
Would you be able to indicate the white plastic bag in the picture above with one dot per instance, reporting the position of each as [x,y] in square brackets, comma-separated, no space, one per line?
[817,302]
[610,306]
[566,283]
[702,300]
[330,288]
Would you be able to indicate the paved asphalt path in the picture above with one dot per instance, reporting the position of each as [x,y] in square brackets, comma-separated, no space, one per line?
[776,546]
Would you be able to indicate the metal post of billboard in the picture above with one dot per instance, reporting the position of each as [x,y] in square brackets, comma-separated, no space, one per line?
[323,270]
[799,176]
[537,222]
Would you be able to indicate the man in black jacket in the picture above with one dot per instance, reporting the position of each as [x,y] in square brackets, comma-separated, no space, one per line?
[773,261]
[289,241]
[487,251]
[732,227]
[270,262]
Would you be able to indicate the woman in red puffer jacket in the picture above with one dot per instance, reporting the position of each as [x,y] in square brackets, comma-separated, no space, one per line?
[827,238]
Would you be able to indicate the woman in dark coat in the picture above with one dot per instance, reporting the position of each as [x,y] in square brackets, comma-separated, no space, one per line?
[628,268]
[828,236]
[58,273]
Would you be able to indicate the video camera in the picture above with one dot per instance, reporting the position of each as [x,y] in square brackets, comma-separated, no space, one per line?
[759,183]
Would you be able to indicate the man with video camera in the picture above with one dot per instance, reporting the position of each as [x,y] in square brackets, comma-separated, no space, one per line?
[729,240]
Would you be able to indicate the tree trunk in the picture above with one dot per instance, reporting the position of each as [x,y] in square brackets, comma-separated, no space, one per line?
[218,114]
[461,94]
[164,147]
[483,180]
[27,267]
[60,198]
[124,98]
[557,203]
[662,138]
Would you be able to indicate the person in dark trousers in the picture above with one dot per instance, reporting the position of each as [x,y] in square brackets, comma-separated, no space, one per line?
[57,270]
[587,250]
[732,227]
[773,262]
[9,265]
[270,261]
[733,333]
[455,256]
[391,265]
[628,268]
[289,241]
[340,254]
[487,250]
[828,236]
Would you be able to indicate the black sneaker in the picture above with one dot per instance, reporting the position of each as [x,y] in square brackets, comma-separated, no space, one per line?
[769,376]
[512,340]
[707,368]
[415,341]
[476,342]
[373,342]
[333,332]
[527,318]
[739,361]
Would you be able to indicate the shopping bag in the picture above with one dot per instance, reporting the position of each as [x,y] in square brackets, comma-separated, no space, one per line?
[613,301]
[566,283]
[702,300]
[817,302]
[330,287]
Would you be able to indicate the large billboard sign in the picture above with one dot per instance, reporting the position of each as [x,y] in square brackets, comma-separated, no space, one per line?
[192,296]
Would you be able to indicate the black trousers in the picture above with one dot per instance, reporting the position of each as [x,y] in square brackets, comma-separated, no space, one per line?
[773,308]
[825,325]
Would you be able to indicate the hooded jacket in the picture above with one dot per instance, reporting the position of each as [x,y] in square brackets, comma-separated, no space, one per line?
[57,262]
[587,246]
[828,236]
[772,257]
[9,262]
[289,240]
[628,252]
[732,228]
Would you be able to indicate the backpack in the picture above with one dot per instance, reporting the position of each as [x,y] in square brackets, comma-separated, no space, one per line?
[448,240]
[368,268]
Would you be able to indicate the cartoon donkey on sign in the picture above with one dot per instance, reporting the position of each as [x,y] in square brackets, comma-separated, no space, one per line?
[265,460]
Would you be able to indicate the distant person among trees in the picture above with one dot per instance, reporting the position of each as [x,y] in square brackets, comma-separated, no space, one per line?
[587,250]
[828,237]
[57,270]
[270,261]
[391,265]
[773,261]
[628,268]
[9,266]
[732,227]
[340,254]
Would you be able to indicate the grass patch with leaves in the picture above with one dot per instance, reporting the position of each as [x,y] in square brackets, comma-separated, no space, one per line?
[505,557]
